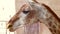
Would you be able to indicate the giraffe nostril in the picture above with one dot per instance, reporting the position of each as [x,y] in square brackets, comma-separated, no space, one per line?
[9,26]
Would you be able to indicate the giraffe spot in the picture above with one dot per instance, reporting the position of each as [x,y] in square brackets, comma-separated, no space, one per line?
[54,26]
[50,29]
[50,23]
[55,31]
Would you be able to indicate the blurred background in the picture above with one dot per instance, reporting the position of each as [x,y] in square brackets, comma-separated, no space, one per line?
[9,7]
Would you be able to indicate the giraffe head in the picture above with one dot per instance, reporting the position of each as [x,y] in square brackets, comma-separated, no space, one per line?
[28,14]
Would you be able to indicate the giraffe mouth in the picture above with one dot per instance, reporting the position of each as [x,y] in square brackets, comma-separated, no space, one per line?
[9,27]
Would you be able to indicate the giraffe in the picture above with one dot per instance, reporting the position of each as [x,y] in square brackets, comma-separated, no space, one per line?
[33,12]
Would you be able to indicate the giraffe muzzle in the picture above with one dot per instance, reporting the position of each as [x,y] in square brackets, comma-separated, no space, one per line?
[9,26]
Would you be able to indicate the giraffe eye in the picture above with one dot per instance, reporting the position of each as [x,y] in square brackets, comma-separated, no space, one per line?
[25,12]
